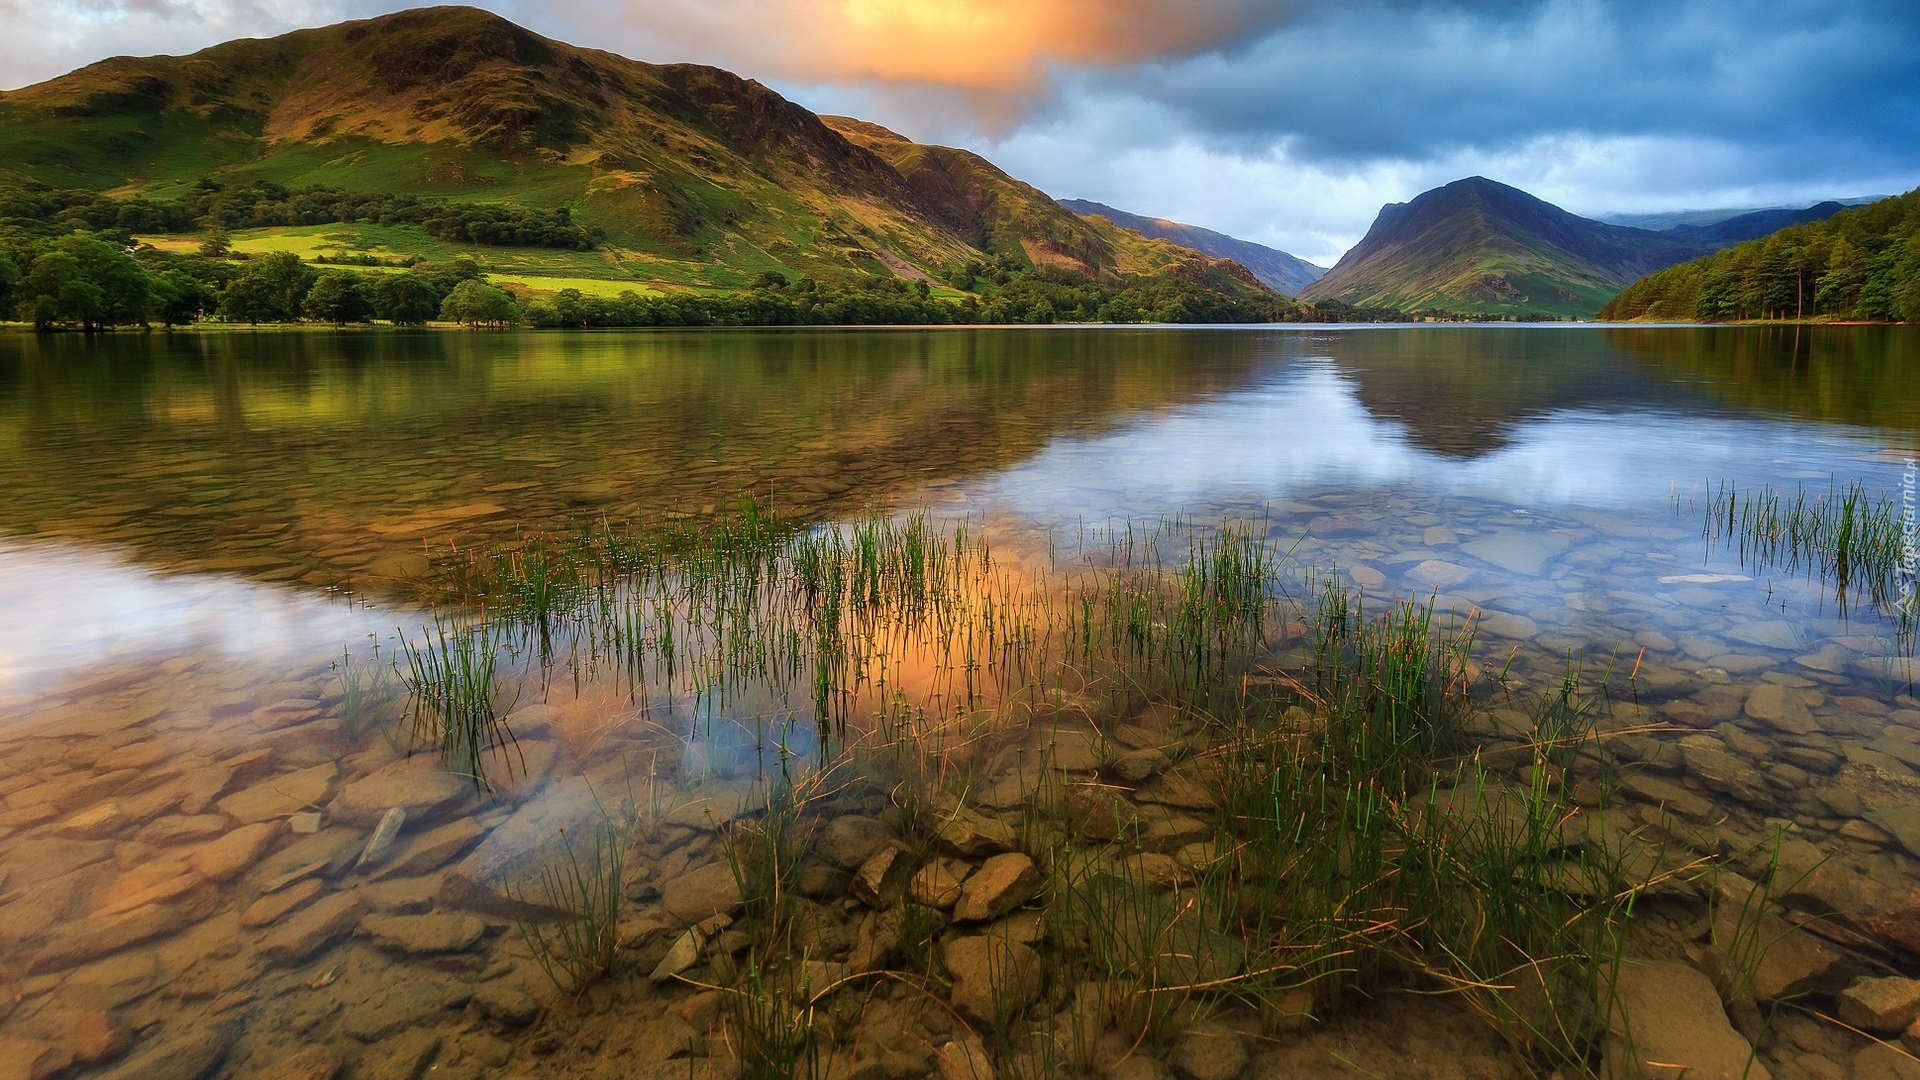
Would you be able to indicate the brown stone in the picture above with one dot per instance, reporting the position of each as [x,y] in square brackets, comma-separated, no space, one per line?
[430,851]
[1885,1005]
[270,908]
[312,930]
[702,893]
[229,856]
[418,786]
[992,975]
[424,935]
[849,840]
[935,885]
[869,883]
[1666,1022]
[1209,1052]
[1003,883]
[281,796]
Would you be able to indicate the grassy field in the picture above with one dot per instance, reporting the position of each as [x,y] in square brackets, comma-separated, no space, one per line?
[596,273]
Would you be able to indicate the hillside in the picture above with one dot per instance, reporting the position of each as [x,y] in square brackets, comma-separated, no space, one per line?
[1860,263]
[683,174]
[1277,269]
[1480,246]
[1000,214]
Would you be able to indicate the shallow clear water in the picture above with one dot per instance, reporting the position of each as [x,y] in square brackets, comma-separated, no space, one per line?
[196,529]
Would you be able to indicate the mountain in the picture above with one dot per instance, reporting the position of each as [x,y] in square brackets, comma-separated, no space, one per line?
[1860,263]
[692,175]
[1482,247]
[1673,219]
[1280,271]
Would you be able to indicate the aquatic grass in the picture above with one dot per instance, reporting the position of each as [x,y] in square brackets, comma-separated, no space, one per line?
[1846,537]
[578,943]
[764,852]
[367,688]
[452,678]
[1359,838]
[775,1023]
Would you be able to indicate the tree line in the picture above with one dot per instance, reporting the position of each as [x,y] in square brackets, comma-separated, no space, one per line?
[93,282]
[1861,263]
[260,204]
[1036,297]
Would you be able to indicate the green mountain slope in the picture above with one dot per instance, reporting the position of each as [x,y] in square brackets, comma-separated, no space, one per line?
[1278,270]
[690,174]
[1860,263]
[1479,246]
[1483,247]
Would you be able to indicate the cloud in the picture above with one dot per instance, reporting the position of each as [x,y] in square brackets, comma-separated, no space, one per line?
[1286,121]
[1360,83]
[988,45]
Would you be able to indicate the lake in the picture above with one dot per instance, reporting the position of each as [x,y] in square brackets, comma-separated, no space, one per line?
[222,558]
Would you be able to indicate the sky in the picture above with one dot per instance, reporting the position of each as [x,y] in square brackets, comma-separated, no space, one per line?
[1286,122]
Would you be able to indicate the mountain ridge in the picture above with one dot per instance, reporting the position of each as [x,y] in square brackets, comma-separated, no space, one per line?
[1279,270]
[693,175]
[1480,246]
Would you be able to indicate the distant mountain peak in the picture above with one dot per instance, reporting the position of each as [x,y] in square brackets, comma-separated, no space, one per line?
[1478,245]
[1278,270]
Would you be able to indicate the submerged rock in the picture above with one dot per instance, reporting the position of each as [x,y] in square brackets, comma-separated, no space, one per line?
[424,935]
[1003,883]
[312,930]
[992,974]
[229,856]
[702,893]
[1887,1006]
[1667,1022]
[528,840]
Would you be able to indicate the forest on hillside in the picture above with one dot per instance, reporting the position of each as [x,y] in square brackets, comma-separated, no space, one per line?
[1861,263]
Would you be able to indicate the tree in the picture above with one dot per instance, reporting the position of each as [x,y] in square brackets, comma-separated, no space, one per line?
[181,297]
[339,297]
[217,243]
[405,299]
[445,276]
[125,292]
[476,303]
[9,277]
[271,289]
[1847,270]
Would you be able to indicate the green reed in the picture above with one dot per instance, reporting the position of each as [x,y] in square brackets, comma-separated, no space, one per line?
[578,941]
[367,688]
[453,680]
[1846,536]
[1359,836]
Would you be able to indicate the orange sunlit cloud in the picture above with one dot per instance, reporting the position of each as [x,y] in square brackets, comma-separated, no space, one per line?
[981,45]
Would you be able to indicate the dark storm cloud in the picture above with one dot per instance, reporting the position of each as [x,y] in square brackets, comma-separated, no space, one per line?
[1373,81]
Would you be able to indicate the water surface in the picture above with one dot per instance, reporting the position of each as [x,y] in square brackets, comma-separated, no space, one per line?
[198,529]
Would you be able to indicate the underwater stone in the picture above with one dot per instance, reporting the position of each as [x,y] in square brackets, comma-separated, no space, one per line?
[1003,883]
[528,839]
